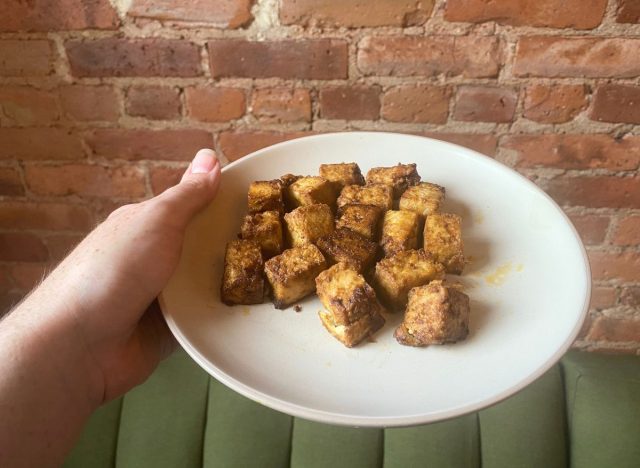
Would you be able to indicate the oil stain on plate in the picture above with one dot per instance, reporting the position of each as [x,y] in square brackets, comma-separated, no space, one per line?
[502,273]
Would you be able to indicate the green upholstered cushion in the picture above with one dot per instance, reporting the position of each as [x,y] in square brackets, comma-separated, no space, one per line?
[528,429]
[603,400]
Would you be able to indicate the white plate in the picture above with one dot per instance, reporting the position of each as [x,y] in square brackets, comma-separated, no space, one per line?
[528,280]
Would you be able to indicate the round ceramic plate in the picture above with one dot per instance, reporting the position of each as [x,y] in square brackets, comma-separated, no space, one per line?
[528,280]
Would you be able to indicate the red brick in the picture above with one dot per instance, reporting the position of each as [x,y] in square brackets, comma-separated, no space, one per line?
[320,59]
[576,14]
[60,245]
[350,102]
[482,143]
[630,296]
[485,104]
[628,232]
[472,56]
[628,11]
[46,216]
[57,15]
[603,297]
[615,329]
[622,266]
[591,57]
[277,105]
[39,143]
[416,104]
[23,105]
[103,207]
[154,102]
[6,282]
[9,300]
[86,180]
[25,58]
[133,57]
[616,103]
[596,191]
[234,145]
[164,177]
[586,326]
[554,103]
[355,13]
[220,13]
[215,104]
[22,247]
[27,276]
[136,144]
[90,103]
[10,182]
[592,228]
[576,151]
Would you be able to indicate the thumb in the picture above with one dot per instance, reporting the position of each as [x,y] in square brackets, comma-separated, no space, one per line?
[197,188]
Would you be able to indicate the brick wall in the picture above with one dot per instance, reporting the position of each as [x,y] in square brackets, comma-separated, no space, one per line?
[102,103]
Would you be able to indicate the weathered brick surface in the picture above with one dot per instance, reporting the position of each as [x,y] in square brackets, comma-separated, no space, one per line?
[89,103]
[416,103]
[44,216]
[630,296]
[554,103]
[164,177]
[320,59]
[622,266]
[10,182]
[576,151]
[553,56]
[25,58]
[139,144]
[153,102]
[614,329]
[484,104]
[577,14]
[215,104]
[596,191]
[220,13]
[350,102]
[39,144]
[133,57]
[56,15]
[355,13]
[616,103]
[278,105]
[428,56]
[22,247]
[485,144]
[603,297]
[628,11]
[234,145]
[24,105]
[28,275]
[627,231]
[59,245]
[592,228]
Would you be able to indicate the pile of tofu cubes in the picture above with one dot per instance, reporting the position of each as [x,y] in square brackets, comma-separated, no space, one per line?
[365,246]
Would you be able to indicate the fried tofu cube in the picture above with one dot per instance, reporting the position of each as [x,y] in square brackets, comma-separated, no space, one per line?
[350,248]
[424,198]
[436,314]
[311,191]
[396,276]
[341,175]
[361,219]
[307,224]
[352,309]
[400,231]
[443,240]
[242,280]
[292,274]
[289,179]
[266,229]
[265,195]
[398,177]
[376,194]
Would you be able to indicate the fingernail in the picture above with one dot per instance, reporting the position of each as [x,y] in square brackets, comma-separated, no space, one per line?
[203,162]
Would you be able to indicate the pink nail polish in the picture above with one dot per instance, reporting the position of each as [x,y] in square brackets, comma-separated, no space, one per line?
[203,162]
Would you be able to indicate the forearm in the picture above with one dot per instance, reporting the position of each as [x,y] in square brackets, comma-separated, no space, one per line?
[47,386]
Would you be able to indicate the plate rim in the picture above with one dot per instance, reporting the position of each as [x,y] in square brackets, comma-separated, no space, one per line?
[342,419]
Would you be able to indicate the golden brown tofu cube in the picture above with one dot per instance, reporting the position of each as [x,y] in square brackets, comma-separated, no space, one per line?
[266,229]
[424,198]
[310,191]
[307,224]
[443,240]
[436,314]
[341,175]
[396,276]
[346,246]
[377,194]
[289,179]
[361,219]
[242,280]
[265,195]
[400,231]
[398,177]
[352,310]
[292,274]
